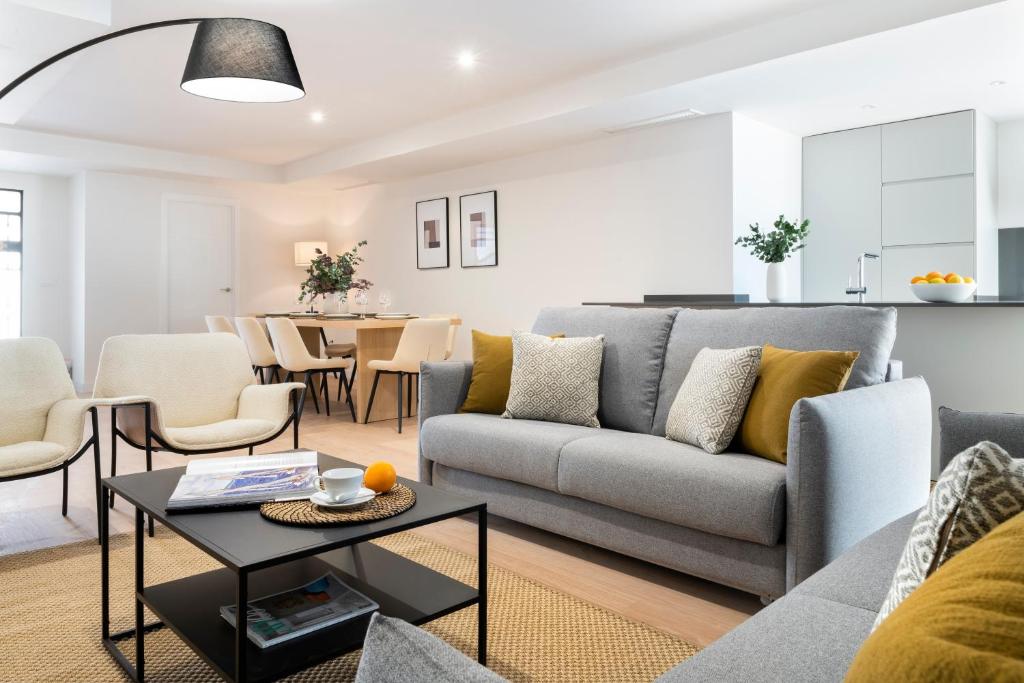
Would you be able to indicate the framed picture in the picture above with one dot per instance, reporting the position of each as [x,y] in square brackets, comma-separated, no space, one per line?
[432,233]
[478,229]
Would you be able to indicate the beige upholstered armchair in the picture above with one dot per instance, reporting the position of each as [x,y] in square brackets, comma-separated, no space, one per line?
[41,419]
[191,394]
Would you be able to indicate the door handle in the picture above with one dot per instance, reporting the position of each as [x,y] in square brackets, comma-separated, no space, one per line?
[225,289]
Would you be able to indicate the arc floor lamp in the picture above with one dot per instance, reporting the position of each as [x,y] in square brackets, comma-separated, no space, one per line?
[233,59]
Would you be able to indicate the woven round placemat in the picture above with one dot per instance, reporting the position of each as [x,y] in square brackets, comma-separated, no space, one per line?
[306,513]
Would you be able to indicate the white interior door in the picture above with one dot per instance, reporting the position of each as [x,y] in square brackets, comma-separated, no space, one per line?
[200,248]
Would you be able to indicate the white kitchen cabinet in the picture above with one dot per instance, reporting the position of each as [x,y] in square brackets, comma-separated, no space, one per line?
[841,198]
[932,211]
[900,264]
[929,147]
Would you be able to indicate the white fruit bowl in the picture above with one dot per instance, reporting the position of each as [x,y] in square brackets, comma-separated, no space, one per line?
[945,293]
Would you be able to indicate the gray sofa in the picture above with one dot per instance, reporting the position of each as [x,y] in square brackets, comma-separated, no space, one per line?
[857,459]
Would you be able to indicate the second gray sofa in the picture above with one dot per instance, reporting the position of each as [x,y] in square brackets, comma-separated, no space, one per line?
[857,459]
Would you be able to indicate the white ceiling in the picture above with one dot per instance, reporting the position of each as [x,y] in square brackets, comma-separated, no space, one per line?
[550,72]
[372,66]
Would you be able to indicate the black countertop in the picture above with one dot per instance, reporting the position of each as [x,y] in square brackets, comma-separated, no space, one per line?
[743,301]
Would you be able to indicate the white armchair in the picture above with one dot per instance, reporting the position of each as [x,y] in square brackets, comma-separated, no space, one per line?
[190,394]
[41,419]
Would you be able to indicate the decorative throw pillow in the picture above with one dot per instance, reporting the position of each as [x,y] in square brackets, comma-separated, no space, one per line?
[979,490]
[492,374]
[786,377]
[710,403]
[555,379]
[963,624]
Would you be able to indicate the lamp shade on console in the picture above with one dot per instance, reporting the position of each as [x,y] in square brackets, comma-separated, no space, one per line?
[241,60]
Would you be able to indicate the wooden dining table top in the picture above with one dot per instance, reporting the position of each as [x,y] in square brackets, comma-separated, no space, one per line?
[368,323]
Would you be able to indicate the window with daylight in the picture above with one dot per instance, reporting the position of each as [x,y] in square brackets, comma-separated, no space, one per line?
[10,263]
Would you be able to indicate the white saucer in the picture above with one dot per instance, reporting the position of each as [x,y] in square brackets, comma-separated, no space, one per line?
[364,495]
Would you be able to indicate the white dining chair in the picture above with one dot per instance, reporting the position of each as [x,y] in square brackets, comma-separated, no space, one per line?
[294,357]
[340,350]
[261,353]
[422,340]
[452,329]
[41,418]
[219,323]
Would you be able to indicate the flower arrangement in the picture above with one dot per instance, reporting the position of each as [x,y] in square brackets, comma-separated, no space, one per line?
[779,244]
[328,275]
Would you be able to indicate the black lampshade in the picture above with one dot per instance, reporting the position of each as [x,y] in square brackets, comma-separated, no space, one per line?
[241,60]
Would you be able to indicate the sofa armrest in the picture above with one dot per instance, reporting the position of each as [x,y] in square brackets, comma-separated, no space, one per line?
[857,460]
[443,386]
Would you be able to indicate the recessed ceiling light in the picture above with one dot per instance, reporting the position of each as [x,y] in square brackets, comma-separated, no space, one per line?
[997,83]
[868,106]
[466,59]
[317,117]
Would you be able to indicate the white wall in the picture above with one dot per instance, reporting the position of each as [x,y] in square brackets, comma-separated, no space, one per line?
[648,211]
[1010,135]
[766,183]
[45,256]
[122,219]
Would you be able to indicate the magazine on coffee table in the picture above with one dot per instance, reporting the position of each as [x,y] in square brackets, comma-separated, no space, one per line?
[295,612]
[246,480]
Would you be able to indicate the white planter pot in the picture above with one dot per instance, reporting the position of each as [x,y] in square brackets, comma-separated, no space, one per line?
[776,282]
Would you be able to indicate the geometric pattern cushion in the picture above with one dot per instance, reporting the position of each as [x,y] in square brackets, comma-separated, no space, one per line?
[979,490]
[555,380]
[710,403]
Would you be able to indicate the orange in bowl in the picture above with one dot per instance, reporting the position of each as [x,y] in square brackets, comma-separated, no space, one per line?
[380,476]
[934,274]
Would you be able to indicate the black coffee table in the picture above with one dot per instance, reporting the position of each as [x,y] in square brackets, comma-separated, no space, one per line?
[261,557]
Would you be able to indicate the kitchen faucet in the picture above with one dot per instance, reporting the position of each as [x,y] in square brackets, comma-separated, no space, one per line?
[860,290]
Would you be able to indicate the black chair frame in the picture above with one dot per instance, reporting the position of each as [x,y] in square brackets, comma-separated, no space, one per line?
[94,443]
[342,381]
[408,377]
[271,373]
[153,442]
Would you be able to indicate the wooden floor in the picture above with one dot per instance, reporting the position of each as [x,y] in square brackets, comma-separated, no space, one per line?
[696,611]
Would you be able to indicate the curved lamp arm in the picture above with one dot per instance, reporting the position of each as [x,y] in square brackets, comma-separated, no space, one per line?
[89,43]
[235,59]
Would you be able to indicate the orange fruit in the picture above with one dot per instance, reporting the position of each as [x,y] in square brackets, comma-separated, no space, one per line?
[918,279]
[936,281]
[954,279]
[968,280]
[933,274]
[380,476]
[950,277]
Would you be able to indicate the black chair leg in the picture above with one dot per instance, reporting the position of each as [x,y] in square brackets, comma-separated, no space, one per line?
[263,380]
[348,394]
[250,450]
[273,375]
[96,466]
[327,394]
[373,392]
[312,391]
[398,395]
[64,497]
[113,449]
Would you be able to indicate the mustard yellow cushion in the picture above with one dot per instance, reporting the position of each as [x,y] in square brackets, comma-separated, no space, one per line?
[964,623]
[786,377]
[492,374]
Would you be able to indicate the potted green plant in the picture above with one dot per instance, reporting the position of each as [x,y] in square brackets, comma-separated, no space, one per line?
[774,248]
[326,276]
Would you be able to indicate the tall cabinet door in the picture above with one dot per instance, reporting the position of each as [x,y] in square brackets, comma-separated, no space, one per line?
[842,199]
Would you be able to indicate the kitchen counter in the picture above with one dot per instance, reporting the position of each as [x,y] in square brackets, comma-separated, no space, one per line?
[742,301]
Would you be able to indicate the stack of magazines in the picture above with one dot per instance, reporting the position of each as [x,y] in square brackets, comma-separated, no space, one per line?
[298,611]
[246,480]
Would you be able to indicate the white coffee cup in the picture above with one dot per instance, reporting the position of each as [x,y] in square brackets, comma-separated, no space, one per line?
[341,483]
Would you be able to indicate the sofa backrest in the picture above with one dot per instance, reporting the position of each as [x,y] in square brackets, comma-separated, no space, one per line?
[871,331]
[634,350]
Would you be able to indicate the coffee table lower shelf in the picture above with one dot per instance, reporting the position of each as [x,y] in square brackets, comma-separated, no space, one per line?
[191,608]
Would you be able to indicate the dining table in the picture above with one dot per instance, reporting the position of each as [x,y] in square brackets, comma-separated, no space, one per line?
[376,339]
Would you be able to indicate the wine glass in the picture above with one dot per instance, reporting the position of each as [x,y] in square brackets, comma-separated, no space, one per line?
[384,299]
[362,298]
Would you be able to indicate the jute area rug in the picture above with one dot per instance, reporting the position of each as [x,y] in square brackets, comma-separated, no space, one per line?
[50,620]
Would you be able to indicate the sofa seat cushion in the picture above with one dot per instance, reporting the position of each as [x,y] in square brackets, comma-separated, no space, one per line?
[218,434]
[525,451]
[30,456]
[730,494]
[798,639]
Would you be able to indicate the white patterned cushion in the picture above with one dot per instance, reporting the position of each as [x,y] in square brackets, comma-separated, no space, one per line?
[980,489]
[555,380]
[709,405]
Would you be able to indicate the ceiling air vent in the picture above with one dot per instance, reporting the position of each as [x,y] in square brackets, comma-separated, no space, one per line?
[656,120]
